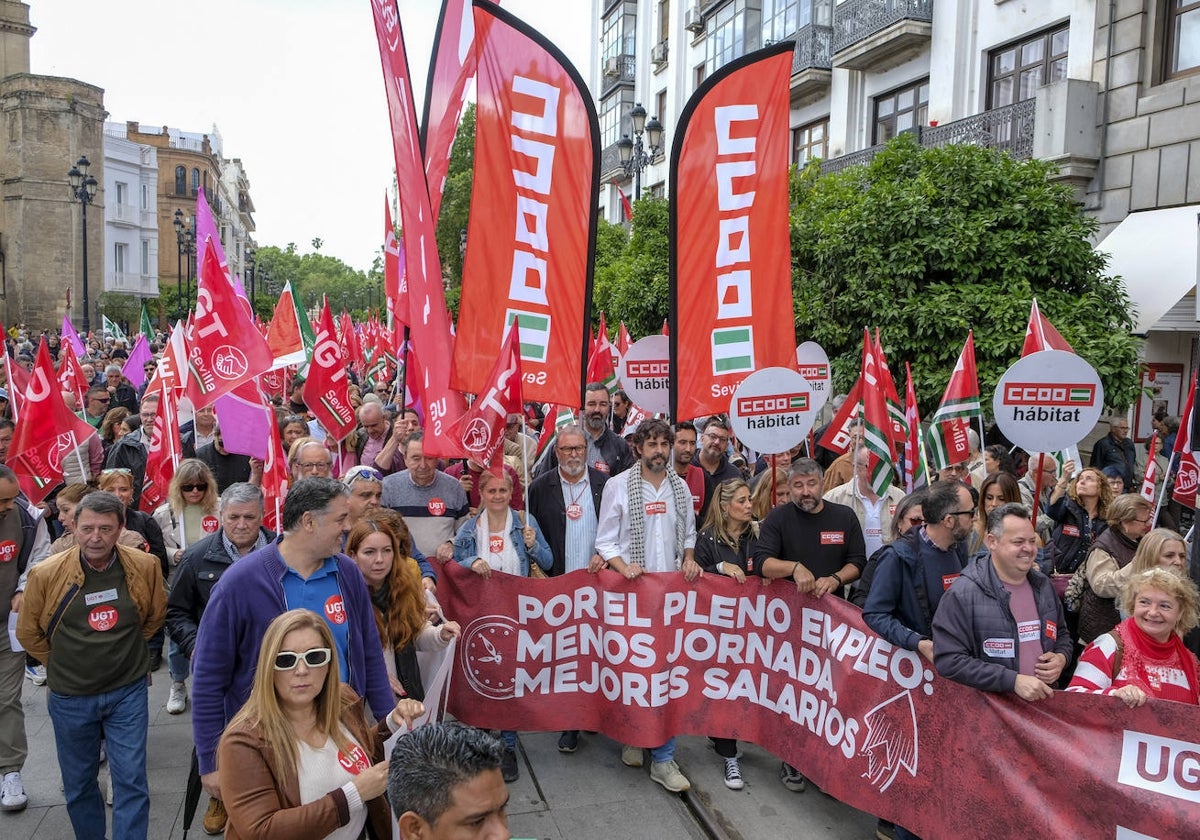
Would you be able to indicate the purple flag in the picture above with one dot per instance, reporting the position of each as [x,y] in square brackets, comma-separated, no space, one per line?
[69,334]
[135,365]
[245,420]
[207,234]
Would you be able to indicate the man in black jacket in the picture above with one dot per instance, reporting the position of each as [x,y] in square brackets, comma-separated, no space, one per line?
[1116,450]
[566,504]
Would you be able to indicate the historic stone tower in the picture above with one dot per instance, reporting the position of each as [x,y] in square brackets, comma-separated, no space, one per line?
[46,124]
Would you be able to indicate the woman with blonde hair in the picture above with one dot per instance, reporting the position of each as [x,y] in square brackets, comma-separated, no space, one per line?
[1128,521]
[1163,548]
[1144,656]
[770,491]
[725,546]
[299,760]
[1079,508]
[380,545]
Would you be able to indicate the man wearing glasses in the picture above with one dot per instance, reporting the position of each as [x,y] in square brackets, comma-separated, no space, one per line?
[606,451]
[98,402]
[711,456]
[312,461]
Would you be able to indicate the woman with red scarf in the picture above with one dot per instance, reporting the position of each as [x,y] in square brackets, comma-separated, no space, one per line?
[1144,655]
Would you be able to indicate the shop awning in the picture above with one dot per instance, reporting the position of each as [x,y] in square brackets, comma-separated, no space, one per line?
[1156,253]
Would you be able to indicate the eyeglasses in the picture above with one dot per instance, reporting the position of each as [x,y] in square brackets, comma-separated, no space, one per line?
[971,513]
[287,660]
[915,520]
[721,439]
[102,400]
[192,488]
[361,474]
[117,470]
[321,466]
[571,449]
[961,469]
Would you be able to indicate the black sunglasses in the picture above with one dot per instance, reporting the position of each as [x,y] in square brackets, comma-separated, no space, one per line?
[286,660]
[188,488]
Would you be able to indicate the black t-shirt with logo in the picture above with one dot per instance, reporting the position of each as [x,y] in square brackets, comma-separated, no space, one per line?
[10,548]
[98,645]
[823,542]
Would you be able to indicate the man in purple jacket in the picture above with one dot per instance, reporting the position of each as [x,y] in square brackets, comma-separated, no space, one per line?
[303,569]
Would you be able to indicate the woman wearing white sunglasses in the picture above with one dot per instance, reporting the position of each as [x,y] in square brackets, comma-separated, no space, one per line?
[299,760]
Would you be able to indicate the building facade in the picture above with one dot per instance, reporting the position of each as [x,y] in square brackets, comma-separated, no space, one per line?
[1107,90]
[130,215]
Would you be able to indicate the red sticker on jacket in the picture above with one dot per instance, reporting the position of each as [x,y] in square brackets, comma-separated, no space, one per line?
[833,537]
[335,610]
[947,580]
[496,543]
[602,466]
[1052,630]
[574,511]
[436,506]
[102,618]
[210,524]
[8,551]
[1070,531]
[355,762]
[656,508]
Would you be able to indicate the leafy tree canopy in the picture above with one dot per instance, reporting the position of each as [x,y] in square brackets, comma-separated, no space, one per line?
[927,243]
[631,282]
[456,206]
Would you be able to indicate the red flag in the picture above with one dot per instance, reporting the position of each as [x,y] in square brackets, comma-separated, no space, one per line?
[533,212]
[70,375]
[960,404]
[666,329]
[600,366]
[877,437]
[325,390]
[914,454]
[18,382]
[895,409]
[395,290]
[1150,479]
[837,435]
[430,323]
[274,480]
[46,432]
[624,342]
[626,207]
[224,347]
[451,69]
[481,430]
[731,268]
[284,335]
[1041,335]
[171,372]
[164,454]
[349,337]
[1188,475]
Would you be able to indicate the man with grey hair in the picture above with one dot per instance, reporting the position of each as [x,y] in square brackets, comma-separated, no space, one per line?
[122,392]
[1115,449]
[444,783]
[305,569]
[203,564]
[606,450]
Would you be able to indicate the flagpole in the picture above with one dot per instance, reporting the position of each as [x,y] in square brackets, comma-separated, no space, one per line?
[525,459]
[403,365]
[1162,494]
[78,456]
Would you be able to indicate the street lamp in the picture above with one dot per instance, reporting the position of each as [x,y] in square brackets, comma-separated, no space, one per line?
[83,190]
[185,242]
[635,156]
[249,260]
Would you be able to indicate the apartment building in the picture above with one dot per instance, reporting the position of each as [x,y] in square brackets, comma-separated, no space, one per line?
[1107,90]
[130,215]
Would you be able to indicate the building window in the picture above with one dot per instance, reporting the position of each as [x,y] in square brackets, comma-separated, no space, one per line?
[195,181]
[1183,37]
[733,31]
[145,258]
[664,20]
[617,32]
[1016,71]
[122,191]
[900,110]
[180,180]
[810,141]
[699,74]
[119,257]
[145,196]
[660,104]
[613,122]
[781,19]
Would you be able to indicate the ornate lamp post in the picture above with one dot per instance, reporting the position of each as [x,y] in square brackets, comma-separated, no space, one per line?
[249,260]
[635,156]
[83,190]
[185,241]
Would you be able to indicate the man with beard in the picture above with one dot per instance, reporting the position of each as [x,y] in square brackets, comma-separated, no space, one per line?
[566,504]
[606,451]
[647,525]
[713,454]
[817,544]
[693,476]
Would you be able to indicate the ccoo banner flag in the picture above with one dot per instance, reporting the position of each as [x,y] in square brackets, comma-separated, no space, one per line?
[533,213]
[871,724]
[731,286]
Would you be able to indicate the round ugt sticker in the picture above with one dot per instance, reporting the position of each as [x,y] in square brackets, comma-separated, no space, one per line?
[102,619]
[335,610]
[436,506]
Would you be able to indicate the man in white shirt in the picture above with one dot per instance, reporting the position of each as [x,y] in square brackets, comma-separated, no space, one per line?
[647,524]
[874,512]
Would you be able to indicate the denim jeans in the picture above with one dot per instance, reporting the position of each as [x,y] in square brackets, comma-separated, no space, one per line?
[664,753]
[178,665]
[122,718]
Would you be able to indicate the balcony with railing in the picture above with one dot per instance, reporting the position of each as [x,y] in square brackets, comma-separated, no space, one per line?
[875,35]
[131,283]
[1006,129]
[617,70]
[811,63]
[122,214]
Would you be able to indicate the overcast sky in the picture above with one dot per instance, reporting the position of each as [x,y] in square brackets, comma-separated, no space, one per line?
[294,86]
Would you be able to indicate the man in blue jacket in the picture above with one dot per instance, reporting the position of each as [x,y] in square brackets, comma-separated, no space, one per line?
[303,569]
[1000,627]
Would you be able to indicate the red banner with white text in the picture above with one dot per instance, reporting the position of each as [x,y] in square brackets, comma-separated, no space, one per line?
[429,321]
[533,213]
[731,266]
[326,389]
[871,724]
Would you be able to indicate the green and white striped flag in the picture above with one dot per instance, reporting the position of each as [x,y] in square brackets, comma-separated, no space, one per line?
[112,329]
[733,350]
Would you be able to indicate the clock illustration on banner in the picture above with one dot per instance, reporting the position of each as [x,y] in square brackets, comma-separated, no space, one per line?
[488,653]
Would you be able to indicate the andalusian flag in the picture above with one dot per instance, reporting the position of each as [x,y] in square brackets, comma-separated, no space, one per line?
[916,470]
[894,407]
[876,424]
[146,327]
[113,330]
[960,405]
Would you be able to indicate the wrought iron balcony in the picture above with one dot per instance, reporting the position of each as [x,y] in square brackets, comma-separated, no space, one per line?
[617,70]
[1006,129]
[814,48]
[875,34]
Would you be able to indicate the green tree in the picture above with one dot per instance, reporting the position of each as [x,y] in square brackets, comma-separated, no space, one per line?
[927,243]
[456,206]
[313,276]
[632,272]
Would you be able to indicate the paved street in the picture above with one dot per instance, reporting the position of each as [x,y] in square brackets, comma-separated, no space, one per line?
[589,795]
